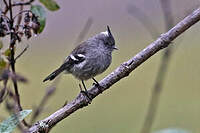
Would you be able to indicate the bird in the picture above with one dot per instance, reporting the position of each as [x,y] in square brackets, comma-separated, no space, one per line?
[89,59]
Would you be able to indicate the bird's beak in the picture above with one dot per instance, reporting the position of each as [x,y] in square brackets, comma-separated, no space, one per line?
[115,48]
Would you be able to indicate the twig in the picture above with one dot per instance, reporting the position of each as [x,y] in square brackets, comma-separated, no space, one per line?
[23,3]
[6,6]
[20,16]
[122,71]
[24,50]
[22,11]
[158,87]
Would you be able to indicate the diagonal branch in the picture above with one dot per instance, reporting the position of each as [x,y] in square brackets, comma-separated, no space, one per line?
[122,71]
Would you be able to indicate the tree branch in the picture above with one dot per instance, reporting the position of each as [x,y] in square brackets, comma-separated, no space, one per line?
[122,71]
[12,58]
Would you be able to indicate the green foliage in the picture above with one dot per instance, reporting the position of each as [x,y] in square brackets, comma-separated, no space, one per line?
[7,126]
[3,64]
[40,12]
[50,5]
[172,130]
[7,53]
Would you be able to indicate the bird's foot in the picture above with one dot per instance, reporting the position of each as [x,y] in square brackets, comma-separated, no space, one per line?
[87,95]
[96,84]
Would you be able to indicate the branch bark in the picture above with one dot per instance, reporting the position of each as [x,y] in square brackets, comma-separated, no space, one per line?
[122,71]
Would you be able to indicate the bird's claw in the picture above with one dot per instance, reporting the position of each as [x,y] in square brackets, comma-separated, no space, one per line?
[98,87]
[87,95]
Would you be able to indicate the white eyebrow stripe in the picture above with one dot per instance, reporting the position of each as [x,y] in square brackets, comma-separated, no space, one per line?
[73,58]
[105,33]
[81,55]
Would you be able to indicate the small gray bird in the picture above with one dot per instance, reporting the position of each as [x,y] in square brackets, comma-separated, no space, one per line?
[88,59]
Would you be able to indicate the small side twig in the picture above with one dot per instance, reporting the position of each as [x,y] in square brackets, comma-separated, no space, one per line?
[23,3]
[23,51]
[22,11]
[6,6]
[20,16]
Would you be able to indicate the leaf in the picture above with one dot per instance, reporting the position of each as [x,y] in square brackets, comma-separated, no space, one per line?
[50,5]
[3,64]
[39,11]
[7,52]
[172,130]
[7,126]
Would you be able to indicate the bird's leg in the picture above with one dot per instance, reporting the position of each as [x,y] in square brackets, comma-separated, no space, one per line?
[84,85]
[85,92]
[97,85]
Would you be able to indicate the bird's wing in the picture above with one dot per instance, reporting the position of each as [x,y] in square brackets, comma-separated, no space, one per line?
[70,61]
[75,58]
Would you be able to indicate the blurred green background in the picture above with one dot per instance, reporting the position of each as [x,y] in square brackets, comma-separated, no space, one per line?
[123,107]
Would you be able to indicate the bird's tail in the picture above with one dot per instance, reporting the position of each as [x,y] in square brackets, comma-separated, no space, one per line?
[54,74]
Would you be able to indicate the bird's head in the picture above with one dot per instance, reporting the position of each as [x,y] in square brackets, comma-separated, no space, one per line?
[108,39]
